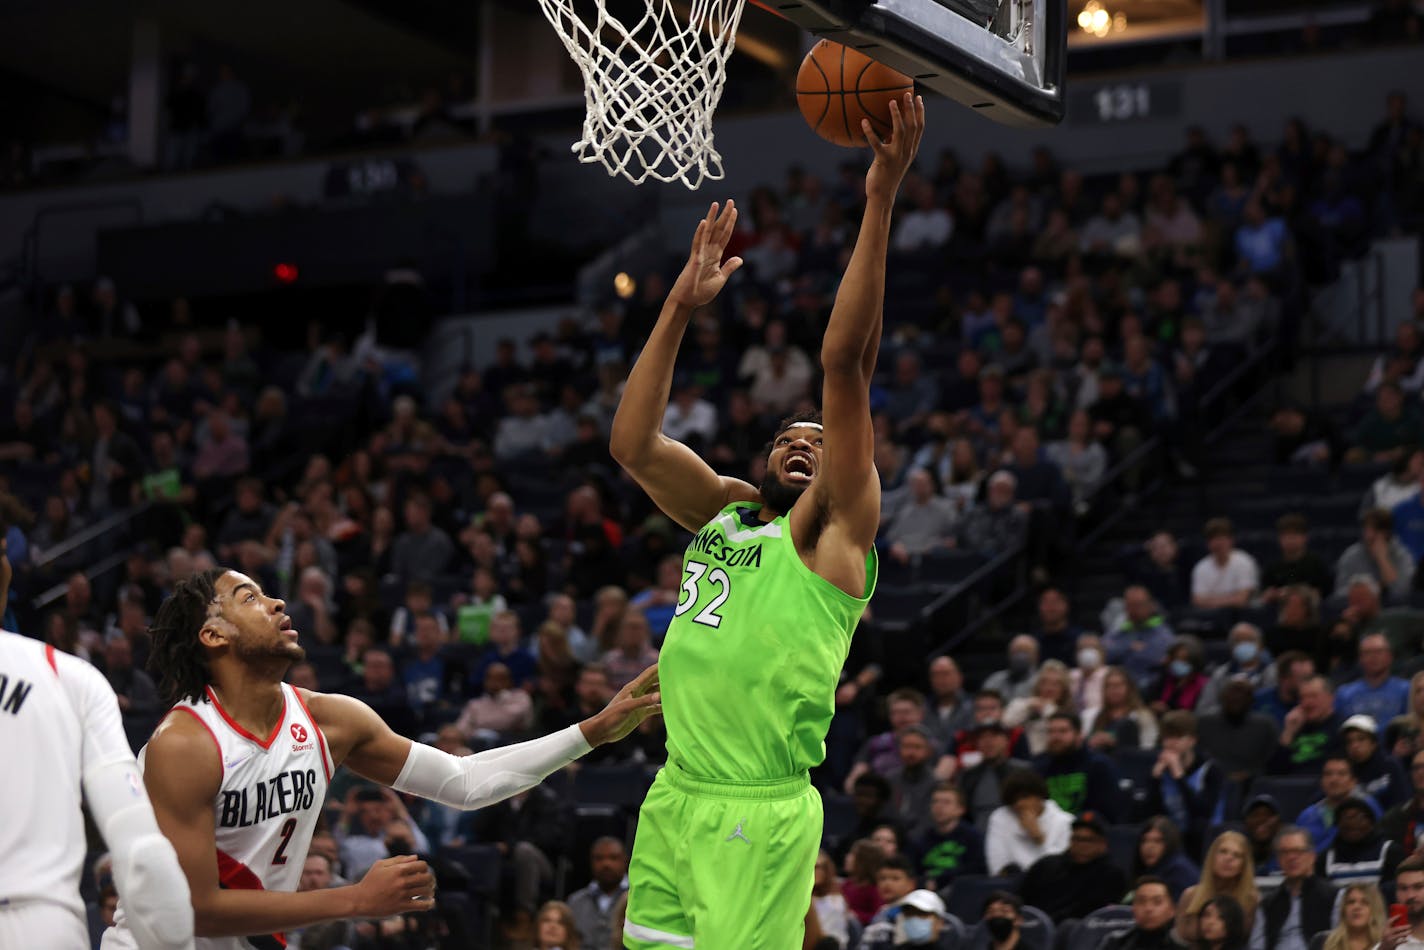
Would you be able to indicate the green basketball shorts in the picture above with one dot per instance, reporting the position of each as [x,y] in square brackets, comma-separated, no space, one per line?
[723,866]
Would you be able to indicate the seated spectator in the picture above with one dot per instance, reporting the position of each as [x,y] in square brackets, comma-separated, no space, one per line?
[1003,921]
[1262,818]
[432,679]
[690,418]
[525,432]
[1223,925]
[1080,458]
[1140,641]
[1086,679]
[1302,906]
[950,845]
[828,904]
[999,524]
[1249,662]
[1263,243]
[893,882]
[249,519]
[505,649]
[1379,775]
[1056,633]
[1051,694]
[1227,576]
[1073,884]
[658,602]
[1311,731]
[1237,738]
[501,712]
[1017,680]
[1298,564]
[1337,783]
[1388,431]
[1227,870]
[1161,571]
[1409,519]
[912,782]
[1399,484]
[1121,421]
[138,696]
[222,451]
[1188,788]
[422,552]
[920,924]
[1159,854]
[1304,438]
[1182,679]
[870,796]
[372,816]
[1123,721]
[474,612]
[983,781]
[1293,667]
[1078,778]
[881,752]
[632,653]
[1404,823]
[1027,826]
[1360,851]
[555,927]
[1113,231]
[862,866]
[1297,624]
[921,522]
[382,691]
[1154,908]
[1362,920]
[1363,614]
[949,708]
[1374,693]
[1378,555]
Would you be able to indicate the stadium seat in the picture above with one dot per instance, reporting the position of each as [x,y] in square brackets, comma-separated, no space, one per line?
[964,898]
[1102,923]
[1122,844]
[622,785]
[484,865]
[1134,769]
[840,818]
[1292,792]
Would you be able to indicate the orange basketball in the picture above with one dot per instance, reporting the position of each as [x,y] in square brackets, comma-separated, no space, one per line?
[837,86]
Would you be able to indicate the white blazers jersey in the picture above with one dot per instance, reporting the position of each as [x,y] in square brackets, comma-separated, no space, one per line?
[58,716]
[266,809]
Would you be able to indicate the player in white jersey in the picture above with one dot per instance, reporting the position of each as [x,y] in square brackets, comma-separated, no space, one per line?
[60,729]
[237,770]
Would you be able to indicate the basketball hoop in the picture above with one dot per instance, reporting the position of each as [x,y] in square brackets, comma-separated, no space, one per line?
[650,85]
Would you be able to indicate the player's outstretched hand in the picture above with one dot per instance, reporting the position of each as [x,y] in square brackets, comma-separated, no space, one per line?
[637,701]
[894,157]
[399,885]
[704,275]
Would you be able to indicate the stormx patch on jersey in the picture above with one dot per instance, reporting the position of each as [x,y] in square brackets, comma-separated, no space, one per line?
[283,794]
[710,541]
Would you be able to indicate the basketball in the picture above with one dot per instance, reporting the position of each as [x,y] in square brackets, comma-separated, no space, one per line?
[837,86]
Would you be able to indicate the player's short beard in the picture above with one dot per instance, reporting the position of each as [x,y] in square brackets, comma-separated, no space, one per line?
[285,649]
[777,494]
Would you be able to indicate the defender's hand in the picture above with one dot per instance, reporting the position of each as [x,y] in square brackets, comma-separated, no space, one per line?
[704,275]
[637,701]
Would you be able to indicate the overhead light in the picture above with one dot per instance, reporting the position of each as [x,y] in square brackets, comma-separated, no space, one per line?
[1095,19]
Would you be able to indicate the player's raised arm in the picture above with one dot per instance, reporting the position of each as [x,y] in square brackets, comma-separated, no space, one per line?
[183,773]
[363,741]
[678,481]
[146,869]
[848,490]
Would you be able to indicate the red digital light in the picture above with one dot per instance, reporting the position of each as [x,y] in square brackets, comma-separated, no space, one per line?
[285,273]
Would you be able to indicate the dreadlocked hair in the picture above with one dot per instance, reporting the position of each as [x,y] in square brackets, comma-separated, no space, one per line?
[795,419]
[179,661]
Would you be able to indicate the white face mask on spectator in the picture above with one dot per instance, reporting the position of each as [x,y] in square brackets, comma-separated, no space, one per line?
[1090,658]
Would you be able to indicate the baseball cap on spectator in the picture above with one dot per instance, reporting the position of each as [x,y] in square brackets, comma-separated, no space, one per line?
[1091,821]
[926,902]
[1362,802]
[1262,801]
[1362,723]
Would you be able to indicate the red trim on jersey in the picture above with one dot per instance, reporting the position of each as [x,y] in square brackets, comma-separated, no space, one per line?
[49,655]
[267,744]
[320,739]
[194,713]
[236,876]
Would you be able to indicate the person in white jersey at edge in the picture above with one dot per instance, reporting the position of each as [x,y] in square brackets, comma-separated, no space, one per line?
[238,769]
[60,724]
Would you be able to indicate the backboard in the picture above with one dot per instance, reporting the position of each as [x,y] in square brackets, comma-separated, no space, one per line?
[1003,58]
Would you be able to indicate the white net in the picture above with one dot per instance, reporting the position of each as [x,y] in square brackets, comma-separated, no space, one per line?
[652,81]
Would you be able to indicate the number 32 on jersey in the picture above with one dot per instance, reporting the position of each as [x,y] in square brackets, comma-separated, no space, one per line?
[696,573]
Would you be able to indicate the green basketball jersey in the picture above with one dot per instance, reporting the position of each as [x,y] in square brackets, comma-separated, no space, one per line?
[754,652]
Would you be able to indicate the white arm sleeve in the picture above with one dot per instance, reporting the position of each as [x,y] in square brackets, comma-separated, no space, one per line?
[147,875]
[474,781]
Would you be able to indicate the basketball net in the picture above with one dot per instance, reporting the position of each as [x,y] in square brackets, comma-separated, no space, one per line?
[650,86]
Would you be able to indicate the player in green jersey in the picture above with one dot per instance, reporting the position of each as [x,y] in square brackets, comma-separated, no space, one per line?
[773,585]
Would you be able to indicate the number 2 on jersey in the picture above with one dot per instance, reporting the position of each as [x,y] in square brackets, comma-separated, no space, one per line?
[708,615]
[289,826]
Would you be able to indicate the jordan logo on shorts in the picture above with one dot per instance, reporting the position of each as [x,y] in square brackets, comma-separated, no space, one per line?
[738,833]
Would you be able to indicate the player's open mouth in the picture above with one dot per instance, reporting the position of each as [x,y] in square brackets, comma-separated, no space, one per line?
[286,627]
[799,467]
